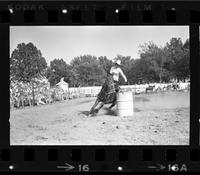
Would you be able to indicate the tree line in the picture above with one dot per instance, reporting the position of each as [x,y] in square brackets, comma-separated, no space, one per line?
[155,64]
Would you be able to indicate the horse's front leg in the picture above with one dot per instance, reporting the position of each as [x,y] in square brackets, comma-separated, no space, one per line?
[100,106]
[94,106]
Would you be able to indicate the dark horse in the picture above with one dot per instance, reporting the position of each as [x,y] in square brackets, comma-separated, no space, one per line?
[107,95]
[150,88]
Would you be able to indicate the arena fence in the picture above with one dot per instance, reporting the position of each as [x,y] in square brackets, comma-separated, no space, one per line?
[46,95]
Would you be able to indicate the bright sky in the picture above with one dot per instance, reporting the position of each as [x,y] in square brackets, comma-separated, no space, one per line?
[67,42]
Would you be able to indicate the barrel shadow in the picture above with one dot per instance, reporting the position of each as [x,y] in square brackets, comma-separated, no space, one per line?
[110,112]
[141,99]
[136,109]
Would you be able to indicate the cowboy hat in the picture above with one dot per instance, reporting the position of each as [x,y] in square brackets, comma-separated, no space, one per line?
[118,62]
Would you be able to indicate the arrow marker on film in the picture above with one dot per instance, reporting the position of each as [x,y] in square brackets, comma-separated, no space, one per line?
[67,167]
[158,167]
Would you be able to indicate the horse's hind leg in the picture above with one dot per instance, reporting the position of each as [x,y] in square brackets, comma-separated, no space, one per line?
[113,104]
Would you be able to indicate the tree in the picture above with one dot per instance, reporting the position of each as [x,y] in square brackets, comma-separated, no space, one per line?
[87,71]
[105,63]
[58,69]
[27,64]
[164,63]
[178,58]
[184,63]
[155,58]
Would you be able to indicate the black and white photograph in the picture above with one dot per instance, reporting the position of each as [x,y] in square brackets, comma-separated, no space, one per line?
[99,85]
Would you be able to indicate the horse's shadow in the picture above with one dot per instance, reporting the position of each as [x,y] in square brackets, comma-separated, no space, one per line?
[84,112]
[107,112]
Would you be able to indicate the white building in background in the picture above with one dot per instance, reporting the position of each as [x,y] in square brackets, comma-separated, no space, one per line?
[63,85]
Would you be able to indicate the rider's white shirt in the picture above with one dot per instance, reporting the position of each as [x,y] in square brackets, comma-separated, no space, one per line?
[115,72]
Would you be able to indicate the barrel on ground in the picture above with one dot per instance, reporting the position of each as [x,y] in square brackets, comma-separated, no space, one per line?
[125,105]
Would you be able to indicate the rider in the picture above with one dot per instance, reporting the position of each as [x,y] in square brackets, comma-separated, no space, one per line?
[109,89]
[116,71]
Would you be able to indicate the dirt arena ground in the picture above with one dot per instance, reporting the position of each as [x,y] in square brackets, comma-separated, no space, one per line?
[159,119]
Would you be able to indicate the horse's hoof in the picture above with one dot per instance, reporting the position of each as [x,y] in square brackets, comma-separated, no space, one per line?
[96,111]
[91,115]
[108,108]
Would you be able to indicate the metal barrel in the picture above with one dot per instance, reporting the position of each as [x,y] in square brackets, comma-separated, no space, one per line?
[125,106]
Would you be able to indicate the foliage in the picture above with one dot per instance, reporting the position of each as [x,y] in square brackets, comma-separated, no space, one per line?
[87,71]
[58,69]
[27,63]
[156,64]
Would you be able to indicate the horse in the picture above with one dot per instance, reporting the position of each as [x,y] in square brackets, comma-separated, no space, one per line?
[175,86]
[150,88]
[107,95]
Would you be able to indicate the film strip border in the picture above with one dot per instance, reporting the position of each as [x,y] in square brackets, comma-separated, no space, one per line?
[96,13]
[93,158]
[100,159]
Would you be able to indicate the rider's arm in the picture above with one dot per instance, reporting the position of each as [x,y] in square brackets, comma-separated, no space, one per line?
[122,74]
